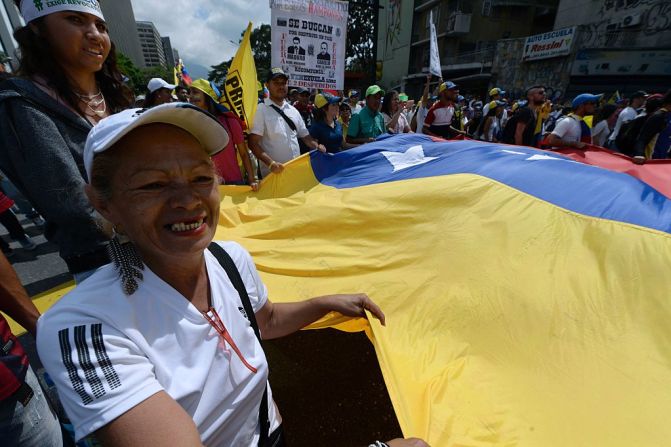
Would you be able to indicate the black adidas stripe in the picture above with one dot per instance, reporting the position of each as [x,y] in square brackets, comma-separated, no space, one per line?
[85,362]
[103,359]
[77,383]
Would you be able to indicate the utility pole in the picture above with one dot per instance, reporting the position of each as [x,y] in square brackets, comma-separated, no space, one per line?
[376,18]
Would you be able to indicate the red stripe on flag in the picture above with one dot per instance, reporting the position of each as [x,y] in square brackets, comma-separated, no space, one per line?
[655,173]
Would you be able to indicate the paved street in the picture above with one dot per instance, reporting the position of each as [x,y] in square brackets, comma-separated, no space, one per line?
[41,269]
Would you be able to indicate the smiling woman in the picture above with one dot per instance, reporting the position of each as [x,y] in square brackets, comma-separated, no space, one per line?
[68,81]
[180,353]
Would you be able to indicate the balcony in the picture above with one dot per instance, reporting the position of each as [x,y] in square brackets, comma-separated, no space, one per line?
[458,23]
[475,60]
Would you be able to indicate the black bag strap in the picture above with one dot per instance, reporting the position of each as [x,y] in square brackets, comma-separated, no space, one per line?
[234,275]
[289,121]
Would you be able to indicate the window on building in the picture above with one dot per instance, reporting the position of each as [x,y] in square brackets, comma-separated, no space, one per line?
[486,8]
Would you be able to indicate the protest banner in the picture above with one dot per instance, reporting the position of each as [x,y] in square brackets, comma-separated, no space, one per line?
[308,41]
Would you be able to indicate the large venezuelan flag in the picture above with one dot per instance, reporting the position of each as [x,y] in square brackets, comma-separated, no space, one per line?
[527,295]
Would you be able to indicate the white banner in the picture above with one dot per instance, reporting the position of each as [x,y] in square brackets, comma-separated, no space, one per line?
[308,41]
[434,58]
[552,44]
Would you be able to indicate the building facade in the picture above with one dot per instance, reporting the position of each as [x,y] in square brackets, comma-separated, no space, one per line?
[11,20]
[467,31]
[169,53]
[122,29]
[152,46]
[621,46]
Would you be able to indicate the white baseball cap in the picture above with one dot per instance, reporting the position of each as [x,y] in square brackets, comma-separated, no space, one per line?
[199,123]
[157,83]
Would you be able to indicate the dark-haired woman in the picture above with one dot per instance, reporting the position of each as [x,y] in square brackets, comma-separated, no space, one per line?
[206,96]
[394,117]
[68,81]
[158,92]
[603,124]
[326,128]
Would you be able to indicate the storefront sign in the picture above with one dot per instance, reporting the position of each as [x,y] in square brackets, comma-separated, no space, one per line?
[552,44]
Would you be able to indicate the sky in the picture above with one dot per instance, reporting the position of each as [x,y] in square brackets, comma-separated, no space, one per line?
[201,29]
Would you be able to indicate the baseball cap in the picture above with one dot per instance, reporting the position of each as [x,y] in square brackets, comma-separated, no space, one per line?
[302,90]
[494,104]
[583,98]
[655,96]
[323,99]
[276,72]
[211,90]
[496,91]
[158,83]
[433,98]
[374,90]
[447,85]
[199,123]
[460,98]
[639,94]
[402,97]
[353,93]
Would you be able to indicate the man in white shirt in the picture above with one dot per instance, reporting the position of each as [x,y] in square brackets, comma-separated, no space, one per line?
[630,112]
[277,127]
[572,131]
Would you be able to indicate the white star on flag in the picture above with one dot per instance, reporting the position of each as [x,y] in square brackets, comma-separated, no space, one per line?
[545,157]
[403,160]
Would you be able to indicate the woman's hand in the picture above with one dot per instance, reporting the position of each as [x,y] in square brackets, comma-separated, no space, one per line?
[254,184]
[353,305]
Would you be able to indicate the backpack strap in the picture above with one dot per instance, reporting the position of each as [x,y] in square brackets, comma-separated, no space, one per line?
[231,270]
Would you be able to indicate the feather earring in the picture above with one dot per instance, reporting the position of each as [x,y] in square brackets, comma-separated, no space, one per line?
[127,261]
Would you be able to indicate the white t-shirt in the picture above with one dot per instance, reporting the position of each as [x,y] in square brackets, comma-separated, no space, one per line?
[108,352]
[600,133]
[401,123]
[279,141]
[626,115]
[568,129]
[421,116]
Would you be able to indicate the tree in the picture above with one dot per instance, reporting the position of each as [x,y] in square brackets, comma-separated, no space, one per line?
[359,48]
[128,68]
[260,42]
[139,77]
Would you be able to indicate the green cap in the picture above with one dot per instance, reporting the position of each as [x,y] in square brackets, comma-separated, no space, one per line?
[402,97]
[374,90]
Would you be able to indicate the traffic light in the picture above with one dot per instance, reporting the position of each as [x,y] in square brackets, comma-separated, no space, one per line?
[378,70]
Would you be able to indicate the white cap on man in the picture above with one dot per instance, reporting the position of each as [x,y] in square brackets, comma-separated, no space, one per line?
[157,83]
[199,123]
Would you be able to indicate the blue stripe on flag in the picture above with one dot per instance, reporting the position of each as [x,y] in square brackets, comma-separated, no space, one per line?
[575,186]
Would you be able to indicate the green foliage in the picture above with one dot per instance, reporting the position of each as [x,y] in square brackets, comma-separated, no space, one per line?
[127,67]
[359,48]
[260,42]
[139,77]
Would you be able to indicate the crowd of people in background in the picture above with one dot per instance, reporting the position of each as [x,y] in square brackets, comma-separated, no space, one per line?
[68,82]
